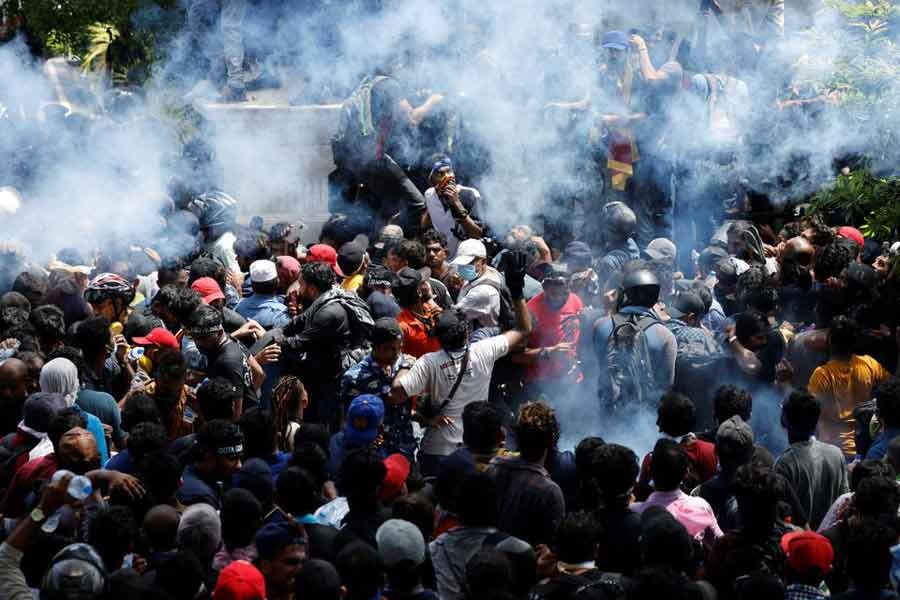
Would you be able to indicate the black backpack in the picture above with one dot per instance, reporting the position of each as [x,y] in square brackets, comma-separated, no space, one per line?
[629,379]
[507,317]
[358,136]
[359,318]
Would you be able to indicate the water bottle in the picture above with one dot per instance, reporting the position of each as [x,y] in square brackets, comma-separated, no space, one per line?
[79,488]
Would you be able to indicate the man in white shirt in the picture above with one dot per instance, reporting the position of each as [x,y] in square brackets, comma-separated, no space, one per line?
[452,208]
[479,299]
[435,374]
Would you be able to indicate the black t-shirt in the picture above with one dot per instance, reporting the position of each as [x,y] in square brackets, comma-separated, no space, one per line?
[231,360]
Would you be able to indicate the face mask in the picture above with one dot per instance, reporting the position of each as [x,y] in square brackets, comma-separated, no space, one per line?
[467,272]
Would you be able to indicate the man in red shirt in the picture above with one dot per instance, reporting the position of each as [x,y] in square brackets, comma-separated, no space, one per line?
[556,329]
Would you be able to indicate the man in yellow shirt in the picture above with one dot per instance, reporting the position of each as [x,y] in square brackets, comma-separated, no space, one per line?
[843,383]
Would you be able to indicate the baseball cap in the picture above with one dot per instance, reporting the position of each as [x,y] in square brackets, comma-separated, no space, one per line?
[159,337]
[40,408]
[379,276]
[661,249]
[617,40]
[364,418]
[407,280]
[288,268]
[262,271]
[223,438]
[686,303]
[398,469]
[240,581]
[350,257]
[468,251]
[852,233]
[806,550]
[386,329]
[400,541]
[209,289]
[273,537]
[555,274]
[325,254]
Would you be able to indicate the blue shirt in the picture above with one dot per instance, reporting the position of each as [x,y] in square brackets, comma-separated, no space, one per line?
[268,311]
[96,428]
[368,377]
[879,447]
[660,343]
[121,462]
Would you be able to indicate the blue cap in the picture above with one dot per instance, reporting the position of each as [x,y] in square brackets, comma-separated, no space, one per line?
[617,40]
[364,418]
[272,538]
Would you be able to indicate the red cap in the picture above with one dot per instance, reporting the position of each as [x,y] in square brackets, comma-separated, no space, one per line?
[159,337]
[397,471]
[240,581]
[852,233]
[288,269]
[209,289]
[325,254]
[806,550]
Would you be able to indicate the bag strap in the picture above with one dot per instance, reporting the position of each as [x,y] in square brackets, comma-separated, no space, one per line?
[458,382]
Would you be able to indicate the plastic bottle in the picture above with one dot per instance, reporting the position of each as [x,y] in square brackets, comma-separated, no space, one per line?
[79,488]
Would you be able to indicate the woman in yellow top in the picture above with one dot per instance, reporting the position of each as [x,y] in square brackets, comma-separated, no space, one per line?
[842,383]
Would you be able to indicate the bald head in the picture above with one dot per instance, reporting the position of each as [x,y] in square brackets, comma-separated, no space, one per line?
[13,384]
[161,526]
[798,250]
[77,451]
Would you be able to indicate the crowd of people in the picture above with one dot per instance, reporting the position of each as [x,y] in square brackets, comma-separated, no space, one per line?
[219,411]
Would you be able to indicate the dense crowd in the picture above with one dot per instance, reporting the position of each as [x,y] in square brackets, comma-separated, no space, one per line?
[219,411]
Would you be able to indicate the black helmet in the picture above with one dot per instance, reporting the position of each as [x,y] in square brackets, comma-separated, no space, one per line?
[641,288]
[619,221]
[108,286]
[77,573]
[214,209]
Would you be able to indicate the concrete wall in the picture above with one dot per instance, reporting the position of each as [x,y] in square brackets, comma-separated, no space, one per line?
[275,157]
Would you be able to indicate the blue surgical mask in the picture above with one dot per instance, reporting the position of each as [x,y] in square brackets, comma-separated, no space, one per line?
[467,272]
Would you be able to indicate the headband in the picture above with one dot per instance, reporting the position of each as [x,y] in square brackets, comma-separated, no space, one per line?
[438,165]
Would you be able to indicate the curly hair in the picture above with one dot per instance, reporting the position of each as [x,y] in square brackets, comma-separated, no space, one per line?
[536,429]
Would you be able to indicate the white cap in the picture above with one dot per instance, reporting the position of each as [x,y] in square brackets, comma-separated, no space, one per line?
[263,270]
[468,251]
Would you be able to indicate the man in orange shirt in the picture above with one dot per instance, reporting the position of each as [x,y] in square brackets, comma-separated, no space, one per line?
[843,383]
[418,313]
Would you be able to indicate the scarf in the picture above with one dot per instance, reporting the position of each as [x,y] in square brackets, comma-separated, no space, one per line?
[60,376]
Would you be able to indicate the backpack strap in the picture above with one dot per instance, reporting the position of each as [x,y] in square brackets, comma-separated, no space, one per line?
[462,373]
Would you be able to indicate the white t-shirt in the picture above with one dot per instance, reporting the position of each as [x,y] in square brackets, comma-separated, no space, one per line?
[442,220]
[435,373]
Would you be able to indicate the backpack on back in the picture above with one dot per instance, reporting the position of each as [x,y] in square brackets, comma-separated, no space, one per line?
[359,138]
[361,325]
[507,318]
[629,380]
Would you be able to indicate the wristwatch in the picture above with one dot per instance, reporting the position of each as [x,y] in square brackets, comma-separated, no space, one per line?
[37,515]
[544,353]
[461,214]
